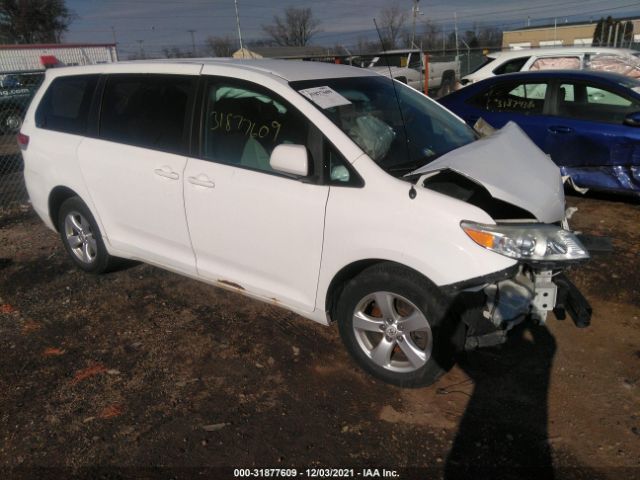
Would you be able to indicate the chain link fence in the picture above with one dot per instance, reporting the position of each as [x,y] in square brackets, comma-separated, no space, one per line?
[16,91]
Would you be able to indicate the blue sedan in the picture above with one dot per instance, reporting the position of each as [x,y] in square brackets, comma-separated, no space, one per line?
[589,122]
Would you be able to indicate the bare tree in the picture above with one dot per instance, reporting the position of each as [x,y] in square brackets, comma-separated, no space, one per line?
[489,36]
[295,29]
[364,46]
[431,36]
[392,20]
[175,52]
[220,46]
[34,21]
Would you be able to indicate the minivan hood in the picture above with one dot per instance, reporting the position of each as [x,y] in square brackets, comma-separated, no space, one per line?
[512,168]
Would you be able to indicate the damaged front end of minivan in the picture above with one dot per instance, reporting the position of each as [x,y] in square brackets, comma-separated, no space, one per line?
[535,286]
[510,179]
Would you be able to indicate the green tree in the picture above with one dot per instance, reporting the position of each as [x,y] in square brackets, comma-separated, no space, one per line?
[34,21]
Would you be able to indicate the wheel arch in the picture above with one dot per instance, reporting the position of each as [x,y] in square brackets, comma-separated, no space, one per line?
[350,271]
[56,198]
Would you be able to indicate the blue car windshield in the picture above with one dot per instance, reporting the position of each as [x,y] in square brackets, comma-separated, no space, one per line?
[399,132]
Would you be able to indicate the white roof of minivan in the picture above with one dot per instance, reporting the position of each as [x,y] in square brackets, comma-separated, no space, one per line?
[289,70]
[507,54]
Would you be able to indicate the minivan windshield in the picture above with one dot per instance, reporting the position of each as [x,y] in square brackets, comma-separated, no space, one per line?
[400,133]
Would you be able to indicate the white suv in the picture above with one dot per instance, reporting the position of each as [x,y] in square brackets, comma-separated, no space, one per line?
[324,189]
[618,60]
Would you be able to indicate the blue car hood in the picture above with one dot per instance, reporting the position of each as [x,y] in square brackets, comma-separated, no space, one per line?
[512,168]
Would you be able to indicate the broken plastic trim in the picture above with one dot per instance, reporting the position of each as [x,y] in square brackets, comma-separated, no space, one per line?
[453,289]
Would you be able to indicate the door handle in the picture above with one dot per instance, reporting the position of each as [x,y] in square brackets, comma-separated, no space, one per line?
[201,181]
[560,129]
[166,173]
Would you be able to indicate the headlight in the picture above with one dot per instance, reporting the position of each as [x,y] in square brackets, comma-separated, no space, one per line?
[535,242]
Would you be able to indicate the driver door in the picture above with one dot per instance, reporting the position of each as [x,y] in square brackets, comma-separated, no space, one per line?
[252,228]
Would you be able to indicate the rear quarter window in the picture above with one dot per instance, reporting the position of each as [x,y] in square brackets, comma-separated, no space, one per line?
[511,66]
[66,103]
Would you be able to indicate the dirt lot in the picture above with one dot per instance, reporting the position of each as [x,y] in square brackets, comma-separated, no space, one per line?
[143,368]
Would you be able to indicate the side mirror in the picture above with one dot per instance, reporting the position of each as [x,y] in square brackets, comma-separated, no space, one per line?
[633,119]
[292,159]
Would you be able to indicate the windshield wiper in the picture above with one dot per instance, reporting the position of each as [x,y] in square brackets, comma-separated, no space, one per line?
[413,165]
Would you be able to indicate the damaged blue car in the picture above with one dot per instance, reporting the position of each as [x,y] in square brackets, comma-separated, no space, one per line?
[588,122]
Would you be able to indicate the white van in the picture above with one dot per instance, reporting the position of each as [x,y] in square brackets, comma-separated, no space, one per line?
[618,60]
[305,185]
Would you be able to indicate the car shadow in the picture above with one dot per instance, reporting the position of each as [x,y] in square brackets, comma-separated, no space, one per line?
[503,433]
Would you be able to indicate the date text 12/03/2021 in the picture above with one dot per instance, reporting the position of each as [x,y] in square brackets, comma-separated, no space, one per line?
[315,473]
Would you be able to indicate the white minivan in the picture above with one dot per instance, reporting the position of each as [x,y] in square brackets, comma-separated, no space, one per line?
[329,190]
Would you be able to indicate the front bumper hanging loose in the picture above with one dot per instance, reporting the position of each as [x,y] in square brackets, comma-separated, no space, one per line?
[526,293]
[570,300]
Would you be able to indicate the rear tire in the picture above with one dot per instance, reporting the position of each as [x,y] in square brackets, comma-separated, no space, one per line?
[81,237]
[397,326]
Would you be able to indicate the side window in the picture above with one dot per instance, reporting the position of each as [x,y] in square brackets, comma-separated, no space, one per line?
[65,105]
[589,102]
[415,61]
[147,111]
[340,173]
[557,63]
[243,124]
[511,66]
[524,98]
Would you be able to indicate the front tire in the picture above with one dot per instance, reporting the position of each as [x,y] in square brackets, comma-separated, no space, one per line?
[81,237]
[397,326]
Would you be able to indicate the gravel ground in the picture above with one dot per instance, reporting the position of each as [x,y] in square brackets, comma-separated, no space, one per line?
[142,368]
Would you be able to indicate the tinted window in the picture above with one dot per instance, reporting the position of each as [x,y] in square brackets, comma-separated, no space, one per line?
[485,61]
[244,123]
[590,102]
[415,61]
[525,98]
[392,61]
[65,105]
[147,111]
[511,66]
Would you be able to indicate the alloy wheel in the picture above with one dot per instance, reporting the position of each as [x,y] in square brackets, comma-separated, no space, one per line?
[392,332]
[80,238]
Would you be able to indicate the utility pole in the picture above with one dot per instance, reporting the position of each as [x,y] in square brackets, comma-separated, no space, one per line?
[141,44]
[115,40]
[455,19]
[413,28]
[193,42]
[235,2]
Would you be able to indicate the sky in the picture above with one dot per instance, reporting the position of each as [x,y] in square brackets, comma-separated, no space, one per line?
[156,24]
